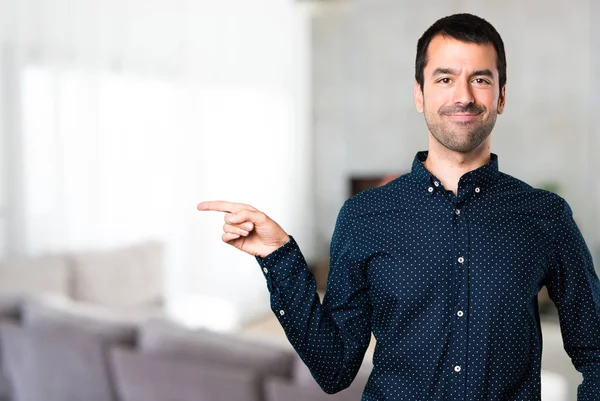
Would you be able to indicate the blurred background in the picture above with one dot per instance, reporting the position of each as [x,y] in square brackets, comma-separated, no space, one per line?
[118,117]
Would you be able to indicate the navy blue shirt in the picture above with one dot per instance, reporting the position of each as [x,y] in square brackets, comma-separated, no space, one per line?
[448,285]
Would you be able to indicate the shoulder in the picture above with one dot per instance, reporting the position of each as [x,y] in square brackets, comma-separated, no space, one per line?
[525,198]
[391,196]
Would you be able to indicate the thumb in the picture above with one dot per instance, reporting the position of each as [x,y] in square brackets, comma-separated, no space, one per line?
[233,218]
[241,216]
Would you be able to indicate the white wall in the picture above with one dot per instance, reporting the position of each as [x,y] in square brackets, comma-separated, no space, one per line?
[257,155]
[12,225]
[594,133]
[366,123]
[134,111]
[3,170]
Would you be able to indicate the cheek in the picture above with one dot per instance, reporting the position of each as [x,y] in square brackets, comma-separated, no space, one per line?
[433,101]
[489,100]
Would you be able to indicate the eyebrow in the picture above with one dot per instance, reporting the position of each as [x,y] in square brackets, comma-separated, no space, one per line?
[450,71]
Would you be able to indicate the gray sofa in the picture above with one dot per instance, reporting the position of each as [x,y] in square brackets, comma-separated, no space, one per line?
[36,293]
[56,355]
[91,326]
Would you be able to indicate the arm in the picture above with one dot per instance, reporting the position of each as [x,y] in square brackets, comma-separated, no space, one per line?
[330,338]
[575,289]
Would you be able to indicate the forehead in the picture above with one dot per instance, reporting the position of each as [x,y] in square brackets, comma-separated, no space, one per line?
[446,52]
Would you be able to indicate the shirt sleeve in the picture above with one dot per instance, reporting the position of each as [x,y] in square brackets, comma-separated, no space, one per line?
[575,289]
[331,338]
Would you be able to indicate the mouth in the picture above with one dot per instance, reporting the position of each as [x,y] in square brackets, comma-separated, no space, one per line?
[462,116]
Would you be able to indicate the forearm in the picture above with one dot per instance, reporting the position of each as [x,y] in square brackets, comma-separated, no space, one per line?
[575,289]
[332,353]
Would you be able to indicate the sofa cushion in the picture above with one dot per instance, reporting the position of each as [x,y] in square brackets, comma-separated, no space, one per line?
[5,388]
[55,365]
[142,377]
[10,311]
[164,338]
[5,385]
[280,390]
[33,276]
[65,315]
[10,305]
[126,277]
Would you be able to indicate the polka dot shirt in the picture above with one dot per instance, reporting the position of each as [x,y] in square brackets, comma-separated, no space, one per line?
[448,285]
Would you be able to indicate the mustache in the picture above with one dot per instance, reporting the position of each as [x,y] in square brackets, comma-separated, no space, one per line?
[468,109]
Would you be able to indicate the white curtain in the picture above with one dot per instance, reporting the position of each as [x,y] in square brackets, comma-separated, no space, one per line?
[122,115]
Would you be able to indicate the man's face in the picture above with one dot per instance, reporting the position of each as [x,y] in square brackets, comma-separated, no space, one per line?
[461,96]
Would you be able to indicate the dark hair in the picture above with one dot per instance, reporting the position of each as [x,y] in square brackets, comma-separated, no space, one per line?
[466,28]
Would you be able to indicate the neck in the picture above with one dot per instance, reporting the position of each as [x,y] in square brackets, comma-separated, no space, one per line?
[448,166]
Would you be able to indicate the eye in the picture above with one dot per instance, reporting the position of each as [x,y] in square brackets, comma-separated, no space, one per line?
[481,81]
[444,80]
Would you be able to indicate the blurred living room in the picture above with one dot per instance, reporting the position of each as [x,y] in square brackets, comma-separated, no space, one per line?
[118,116]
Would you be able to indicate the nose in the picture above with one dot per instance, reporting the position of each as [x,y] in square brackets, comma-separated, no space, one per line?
[463,93]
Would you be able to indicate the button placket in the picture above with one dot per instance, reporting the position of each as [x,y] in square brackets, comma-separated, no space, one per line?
[457,358]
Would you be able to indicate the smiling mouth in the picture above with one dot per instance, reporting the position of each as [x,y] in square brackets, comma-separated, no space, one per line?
[461,117]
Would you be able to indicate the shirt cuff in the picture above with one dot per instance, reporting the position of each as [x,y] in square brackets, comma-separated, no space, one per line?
[282,263]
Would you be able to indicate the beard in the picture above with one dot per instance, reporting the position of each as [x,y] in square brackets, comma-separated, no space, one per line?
[460,136]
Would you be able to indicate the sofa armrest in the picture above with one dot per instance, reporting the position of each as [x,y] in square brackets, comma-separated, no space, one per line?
[142,377]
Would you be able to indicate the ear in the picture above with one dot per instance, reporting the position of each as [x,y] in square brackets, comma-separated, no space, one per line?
[418,96]
[502,99]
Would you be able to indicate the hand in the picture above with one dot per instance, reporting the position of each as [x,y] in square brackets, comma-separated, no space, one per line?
[248,229]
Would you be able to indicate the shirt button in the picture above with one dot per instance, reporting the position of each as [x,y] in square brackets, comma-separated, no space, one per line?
[457,211]
[457,368]
[460,313]
[460,260]
[430,189]
[265,270]
[477,190]
[281,312]
[436,183]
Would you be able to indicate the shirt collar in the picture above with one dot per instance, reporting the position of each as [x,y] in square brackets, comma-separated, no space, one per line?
[483,177]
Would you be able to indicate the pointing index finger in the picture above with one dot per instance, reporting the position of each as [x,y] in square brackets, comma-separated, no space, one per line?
[220,206]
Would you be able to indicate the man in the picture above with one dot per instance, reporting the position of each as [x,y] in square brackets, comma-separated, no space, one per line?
[443,264]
